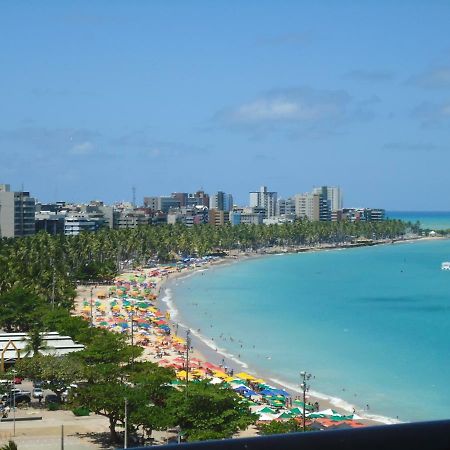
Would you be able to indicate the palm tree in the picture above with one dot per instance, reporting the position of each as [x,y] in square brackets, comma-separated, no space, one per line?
[35,343]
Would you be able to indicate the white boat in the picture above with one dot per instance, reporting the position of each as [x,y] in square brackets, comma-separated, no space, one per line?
[445,265]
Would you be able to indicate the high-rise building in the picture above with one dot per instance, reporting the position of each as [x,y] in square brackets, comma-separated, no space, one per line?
[312,206]
[218,217]
[332,194]
[286,206]
[181,197]
[307,206]
[264,199]
[17,210]
[221,201]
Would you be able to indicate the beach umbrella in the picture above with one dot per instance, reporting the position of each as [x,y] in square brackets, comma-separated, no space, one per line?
[316,416]
[327,412]
[302,405]
[266,410]
[280,392]
[212,366]
[297,411]
[245,376]
[267,417]
[285,415]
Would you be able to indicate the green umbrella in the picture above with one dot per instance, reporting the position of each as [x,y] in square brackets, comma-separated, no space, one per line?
[267,410]
[301,404]
[286,415]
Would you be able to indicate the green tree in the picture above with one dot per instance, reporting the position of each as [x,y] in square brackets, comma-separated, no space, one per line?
[278,427]
[56,372]
[208,411]
[108,399]
[19,309]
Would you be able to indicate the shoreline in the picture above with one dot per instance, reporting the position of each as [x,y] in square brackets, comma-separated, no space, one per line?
[210,352]
[207,349]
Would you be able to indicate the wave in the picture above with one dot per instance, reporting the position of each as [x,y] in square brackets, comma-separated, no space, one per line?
[337,402]
[174,313]
[221,351]
[167,299]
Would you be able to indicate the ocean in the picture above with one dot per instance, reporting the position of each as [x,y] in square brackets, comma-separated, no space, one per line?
[434,220]
[370,324]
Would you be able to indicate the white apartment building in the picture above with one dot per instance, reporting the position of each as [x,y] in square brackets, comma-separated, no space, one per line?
[76,224]
[264,199]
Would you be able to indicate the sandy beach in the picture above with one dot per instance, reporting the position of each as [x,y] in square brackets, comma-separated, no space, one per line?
[112,307]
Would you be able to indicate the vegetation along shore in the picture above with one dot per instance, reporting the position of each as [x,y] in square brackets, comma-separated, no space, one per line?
[38,292]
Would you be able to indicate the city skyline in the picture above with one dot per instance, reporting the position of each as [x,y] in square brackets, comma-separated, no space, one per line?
[100,97]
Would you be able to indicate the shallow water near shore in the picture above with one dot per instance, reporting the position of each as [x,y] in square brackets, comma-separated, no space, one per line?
[371,324]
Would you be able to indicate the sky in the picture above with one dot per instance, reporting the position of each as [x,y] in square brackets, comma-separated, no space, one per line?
[99,96]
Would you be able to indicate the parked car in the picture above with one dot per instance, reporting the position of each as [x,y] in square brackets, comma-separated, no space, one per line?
[17,400]
[51,398]
[15,391]
[37,383]
[38,393]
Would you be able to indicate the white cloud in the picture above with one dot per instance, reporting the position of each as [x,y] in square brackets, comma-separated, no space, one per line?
[82,148]
[288,105]
[295,112]
[435,78]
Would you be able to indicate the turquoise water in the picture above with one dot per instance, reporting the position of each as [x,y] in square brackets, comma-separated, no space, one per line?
[371,324]
[434,220]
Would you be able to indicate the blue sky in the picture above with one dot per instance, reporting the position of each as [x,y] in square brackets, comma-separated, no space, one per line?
[100,96]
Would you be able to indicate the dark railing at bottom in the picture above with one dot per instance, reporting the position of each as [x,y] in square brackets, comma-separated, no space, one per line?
[410,436]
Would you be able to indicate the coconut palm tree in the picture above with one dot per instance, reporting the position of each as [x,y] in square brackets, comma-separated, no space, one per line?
[35,342]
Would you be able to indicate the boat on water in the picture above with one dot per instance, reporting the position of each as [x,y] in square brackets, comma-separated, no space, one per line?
[445,265]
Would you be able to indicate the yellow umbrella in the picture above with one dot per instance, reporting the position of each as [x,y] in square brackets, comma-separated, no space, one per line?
[181,374]
[220,374]
[245,376]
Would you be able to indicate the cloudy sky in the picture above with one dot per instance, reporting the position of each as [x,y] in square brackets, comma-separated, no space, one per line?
[99,96]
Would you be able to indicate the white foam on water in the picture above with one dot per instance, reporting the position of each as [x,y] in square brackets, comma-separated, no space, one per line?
[167,299]
[221,351]
[337,402]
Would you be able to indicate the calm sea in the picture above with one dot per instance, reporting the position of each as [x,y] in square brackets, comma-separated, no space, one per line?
[434,220]
[371,324]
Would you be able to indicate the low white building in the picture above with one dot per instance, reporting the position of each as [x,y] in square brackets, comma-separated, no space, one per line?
[12,346]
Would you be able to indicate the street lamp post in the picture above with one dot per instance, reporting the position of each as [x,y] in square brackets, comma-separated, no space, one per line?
[188,345]
[53,283]
[92,315]
[13,392]
[125,440]
[132,331]
[304,377]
